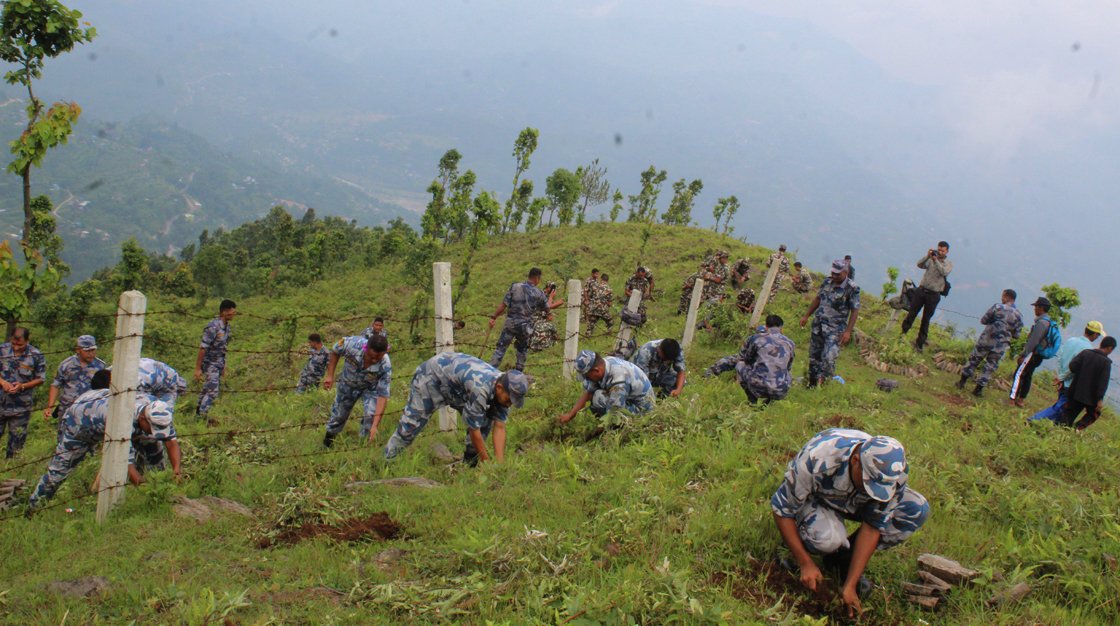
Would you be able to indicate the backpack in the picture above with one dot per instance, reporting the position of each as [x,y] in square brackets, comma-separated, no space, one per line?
[633,318]
[945,291]
[1053,340]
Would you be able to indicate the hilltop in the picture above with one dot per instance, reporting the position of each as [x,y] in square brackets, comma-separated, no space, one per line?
[663,519]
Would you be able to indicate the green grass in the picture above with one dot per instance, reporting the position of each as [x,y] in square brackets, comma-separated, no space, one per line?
[664,520]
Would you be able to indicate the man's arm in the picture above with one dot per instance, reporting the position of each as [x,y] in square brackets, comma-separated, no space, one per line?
[175,455]
[134,476]
[680,385]
[812,308]
[332,363]
[866,540]
[584,398]
[847,335]
[377,413]
[51,398]
[499,432]
[1038,331]
[498,313]
[810,573]
[198,364]
[479,443]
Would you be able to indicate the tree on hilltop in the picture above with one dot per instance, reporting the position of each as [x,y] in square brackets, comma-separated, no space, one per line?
[523,148]
[595,189]
[562,190]
[643,204]
[679,212]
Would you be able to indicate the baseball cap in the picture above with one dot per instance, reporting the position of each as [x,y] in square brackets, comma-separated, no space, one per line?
[517,385]
[839,265]
[160,415]
[1095,327]
[585,360]
[884,467]
[87,342]
[1042,302]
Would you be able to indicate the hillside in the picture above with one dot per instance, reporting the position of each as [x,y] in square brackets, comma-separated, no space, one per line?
[163,185]
[665,519]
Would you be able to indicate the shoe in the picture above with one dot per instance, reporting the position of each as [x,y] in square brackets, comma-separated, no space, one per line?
[328,440]
[961,383]
[979,391]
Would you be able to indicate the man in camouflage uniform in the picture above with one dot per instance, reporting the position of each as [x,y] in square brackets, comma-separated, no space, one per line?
[802,280]
[22,369]
[589,291]
[662,360]
[366,375]
[160,381]
[519,304]
[602,299]
[376,328]
[641,283]
[84,433]
[740,273]
[477,390]
[544,332]
[782,260]
[744,300]
[715,280]
[211,361]
[843,474]
[72,378]
[1002,323]
[610,383]
[317,357]
[763,367]
[837,308]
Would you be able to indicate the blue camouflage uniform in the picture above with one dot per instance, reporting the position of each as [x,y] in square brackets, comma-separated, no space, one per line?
[455,380]
[624,386]
[369,333]
[316,366]
[358,382]
[15,408]
[522,300]
[661,374]
[1002,323]
[762,365]
[83,433]
[73,379]
[818,492]
[158,380]
[215,341]
[831,318]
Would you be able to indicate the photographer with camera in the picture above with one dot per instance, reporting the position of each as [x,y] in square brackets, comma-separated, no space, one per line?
[934,284]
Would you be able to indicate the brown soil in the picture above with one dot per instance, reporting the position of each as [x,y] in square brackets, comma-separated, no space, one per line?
[841,421]
[377,526]
[953,399]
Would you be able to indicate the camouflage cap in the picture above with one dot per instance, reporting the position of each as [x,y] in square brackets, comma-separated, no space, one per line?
[782,247]
[87,342]
[722,253]
[160,415]
[884,467]
[585,360]
[516,385]
[839,266]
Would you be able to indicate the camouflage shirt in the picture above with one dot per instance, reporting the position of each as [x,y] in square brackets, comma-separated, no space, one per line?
[624,381]
[73,379]
[466,384]
[522,300]
[781,259]
[215,340]
[317,362]
[159,379]
[24,368]
[639,284]
[837,302]
[355,374]
[648,359]
[745,299]
[84,421]
[1002,323]
[769,358]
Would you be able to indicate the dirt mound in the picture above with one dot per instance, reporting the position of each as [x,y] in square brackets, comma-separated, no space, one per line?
[378,526]
[777,583]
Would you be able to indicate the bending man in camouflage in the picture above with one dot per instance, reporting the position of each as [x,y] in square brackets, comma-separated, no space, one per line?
[72,379]
[839,475]
[641,283]
[211,361]
[740,273]
[837,309]
[84,432]
[317,357]
[802,280]
[763,367]
[160,381]
[782,260]
[477,390]
[519,304]
[1002,323]
[610,383]
[662,360]
[22,369]
[366,375]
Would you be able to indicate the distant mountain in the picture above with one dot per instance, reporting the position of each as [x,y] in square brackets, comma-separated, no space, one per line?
[163,185]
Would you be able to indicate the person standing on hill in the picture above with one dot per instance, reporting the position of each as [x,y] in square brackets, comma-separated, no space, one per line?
[663,362]
[843,474]
[544,335]
[925,299]
[851,268]
[317,357]
[782,260]
[366,375]
[1040,344]
[610,383]
[589,291]
[837,309]
[641,283]
[22,369]
[477,390]
[1002,323]
[764,365]
[377,328]
[1071,347]
[1091,370]
[72,378]
[519,304]
[601,301]
[211,361]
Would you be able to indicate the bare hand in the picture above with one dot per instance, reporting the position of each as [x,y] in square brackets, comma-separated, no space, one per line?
[851,600]
[492,320]
[846,337]
[811,576]
[372,434]
[328,382]
[565,418]
[198,373]
[675,393]
[47,412]
[804,320]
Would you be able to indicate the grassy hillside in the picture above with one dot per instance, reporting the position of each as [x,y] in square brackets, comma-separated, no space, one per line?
[664,520]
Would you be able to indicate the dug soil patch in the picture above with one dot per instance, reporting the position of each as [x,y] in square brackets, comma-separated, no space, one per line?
[379,527]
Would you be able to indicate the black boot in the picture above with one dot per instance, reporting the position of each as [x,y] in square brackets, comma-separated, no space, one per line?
[962,382]
[979,391]
[328,440]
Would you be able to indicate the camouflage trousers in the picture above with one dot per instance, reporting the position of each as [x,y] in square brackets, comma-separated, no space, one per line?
[777,286]
[16,425]
[824,348]
[308,380]
[599,314]
[67,454]
[211,380]
[821,528]
[601,403]
[663,381]
[517,333]
[148,455]
[686,299]
[543,337]
[990,355]
[345,397]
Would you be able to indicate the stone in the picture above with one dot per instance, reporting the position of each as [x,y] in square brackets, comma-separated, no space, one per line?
[80,588]
[926,602]
[227,505]
[1009,596]
[442,453]
[404,481]
[946,569]
[203,509]
[933,581]
[921,590]
[887,384]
